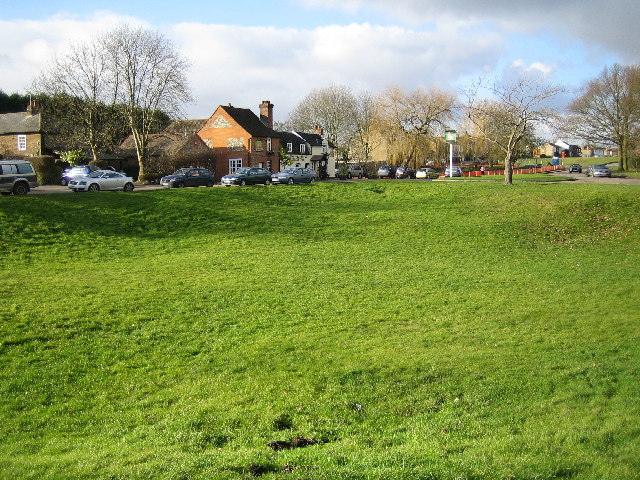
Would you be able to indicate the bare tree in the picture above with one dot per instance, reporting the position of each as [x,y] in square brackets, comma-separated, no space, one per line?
[411,121]
[77,93]
[365,137]
[507,117]
[608,110]
[334,109]
[148,76]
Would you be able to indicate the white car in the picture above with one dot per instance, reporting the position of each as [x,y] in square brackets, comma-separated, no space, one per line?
[102,180]
[426,172]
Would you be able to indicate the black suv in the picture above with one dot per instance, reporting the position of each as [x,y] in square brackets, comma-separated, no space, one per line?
[17,177]
[188,177]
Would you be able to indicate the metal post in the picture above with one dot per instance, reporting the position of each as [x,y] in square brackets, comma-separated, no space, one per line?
[451,160]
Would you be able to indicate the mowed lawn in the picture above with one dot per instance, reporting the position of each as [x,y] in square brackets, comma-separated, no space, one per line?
[381,329]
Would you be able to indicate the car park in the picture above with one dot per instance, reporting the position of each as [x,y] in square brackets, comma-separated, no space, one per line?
[248,176]
[294,175]
[575,168]
[598,171]
[188,177]
[426,172]
[102,180]
[453,172]
[405,172]
[76,172]
[17,177]
[386,171]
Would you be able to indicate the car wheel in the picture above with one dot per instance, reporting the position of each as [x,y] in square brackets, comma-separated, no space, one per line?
[242,183]
[128,187]
[20,188]
[209,183]
[94,187]
[180,185]
[313,179]
[290,181]
[64,182]
[267,182]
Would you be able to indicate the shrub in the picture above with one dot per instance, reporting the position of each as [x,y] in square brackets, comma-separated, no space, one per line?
[47,169]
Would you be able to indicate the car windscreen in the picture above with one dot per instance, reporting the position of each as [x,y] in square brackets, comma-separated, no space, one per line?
[95,174]
[242,171]
[181,171]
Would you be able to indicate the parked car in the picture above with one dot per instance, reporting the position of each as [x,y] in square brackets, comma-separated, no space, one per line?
[102,180]
[17,177]
[386,171]
[76,172]
[356,170]
[455,172]
[598,171]
[405,172]
[188,177]
[426,172]
[294,175]
[575,168]
[247,176]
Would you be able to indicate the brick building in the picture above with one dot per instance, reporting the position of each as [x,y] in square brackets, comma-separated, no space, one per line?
[242,139]
[21,134]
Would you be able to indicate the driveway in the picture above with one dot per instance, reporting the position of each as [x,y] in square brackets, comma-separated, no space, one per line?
[582,178]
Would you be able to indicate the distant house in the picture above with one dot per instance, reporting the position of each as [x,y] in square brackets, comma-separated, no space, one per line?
[242,139]
[22,134]
[558,149]
[309,150]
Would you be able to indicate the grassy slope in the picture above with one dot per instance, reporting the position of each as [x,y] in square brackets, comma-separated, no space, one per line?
[416,330]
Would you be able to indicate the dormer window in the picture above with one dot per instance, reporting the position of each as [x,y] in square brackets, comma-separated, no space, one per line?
[303,148]
[289,147]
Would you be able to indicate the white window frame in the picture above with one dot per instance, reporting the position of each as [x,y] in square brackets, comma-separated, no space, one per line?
[269,148]
[303,148]
[22,142]
[289,147]
[235,164]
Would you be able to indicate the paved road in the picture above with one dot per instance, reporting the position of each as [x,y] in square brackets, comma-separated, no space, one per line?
[582,178]
[45,189]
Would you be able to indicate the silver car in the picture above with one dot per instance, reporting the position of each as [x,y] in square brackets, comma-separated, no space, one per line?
[598,171]
[455,172]
[102,180]
[294,175]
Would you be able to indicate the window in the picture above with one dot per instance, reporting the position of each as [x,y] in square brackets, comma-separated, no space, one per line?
[269,149]
[303,148]
[289,147]
[22,142]
[24,168]
[235,164]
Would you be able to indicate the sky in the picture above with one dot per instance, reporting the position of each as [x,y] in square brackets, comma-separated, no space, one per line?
[245,51]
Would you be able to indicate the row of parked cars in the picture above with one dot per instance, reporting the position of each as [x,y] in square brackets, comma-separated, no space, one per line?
[389,171]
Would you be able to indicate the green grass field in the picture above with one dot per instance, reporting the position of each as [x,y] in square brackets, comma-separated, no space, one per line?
[402,330]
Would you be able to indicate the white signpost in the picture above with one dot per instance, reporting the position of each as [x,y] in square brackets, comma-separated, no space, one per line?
[450,138]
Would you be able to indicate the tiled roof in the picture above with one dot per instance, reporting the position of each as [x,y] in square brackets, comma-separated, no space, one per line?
[160,143]
[186,126]
[249,121]
[22,122]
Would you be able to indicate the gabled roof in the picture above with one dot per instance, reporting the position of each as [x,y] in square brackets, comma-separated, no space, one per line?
[160,144]
[312,139]
[22,122]
[186,127]
[249,121]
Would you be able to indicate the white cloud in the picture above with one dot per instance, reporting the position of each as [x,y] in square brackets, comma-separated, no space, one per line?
[599,23]
[535,67]
[244,65]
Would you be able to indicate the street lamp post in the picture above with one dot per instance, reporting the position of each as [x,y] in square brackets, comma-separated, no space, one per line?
[450,138]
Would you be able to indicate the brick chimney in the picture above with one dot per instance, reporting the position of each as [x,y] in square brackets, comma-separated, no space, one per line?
[318,130]
[266,113]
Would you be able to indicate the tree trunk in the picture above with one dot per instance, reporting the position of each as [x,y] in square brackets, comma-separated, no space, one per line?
[508,169]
